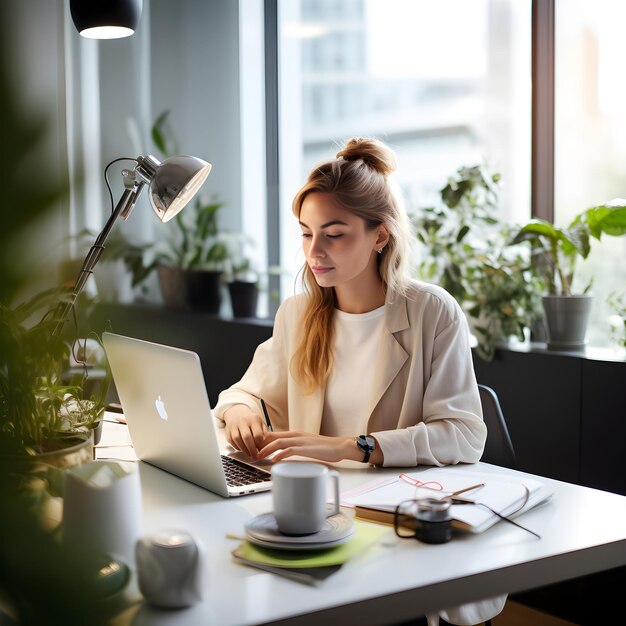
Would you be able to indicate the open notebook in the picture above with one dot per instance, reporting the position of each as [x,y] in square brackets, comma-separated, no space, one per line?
[509,495]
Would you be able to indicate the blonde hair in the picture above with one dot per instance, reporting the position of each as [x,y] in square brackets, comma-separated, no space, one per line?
[358,181]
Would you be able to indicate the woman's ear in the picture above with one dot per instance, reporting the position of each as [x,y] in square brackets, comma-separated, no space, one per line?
[383,237]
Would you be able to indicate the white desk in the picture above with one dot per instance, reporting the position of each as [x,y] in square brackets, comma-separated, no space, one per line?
[583,531]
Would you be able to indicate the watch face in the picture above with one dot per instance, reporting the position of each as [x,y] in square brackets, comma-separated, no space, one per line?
[365,443]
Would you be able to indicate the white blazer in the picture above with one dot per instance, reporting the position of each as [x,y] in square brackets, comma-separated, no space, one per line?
[425,407]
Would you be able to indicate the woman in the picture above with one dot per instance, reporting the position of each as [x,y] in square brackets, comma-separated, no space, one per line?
[366,364]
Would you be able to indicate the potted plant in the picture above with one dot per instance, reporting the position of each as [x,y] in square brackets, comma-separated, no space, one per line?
[555,252]
[466,252]
[243,288]
[242,279]
[191,262]
[46,419]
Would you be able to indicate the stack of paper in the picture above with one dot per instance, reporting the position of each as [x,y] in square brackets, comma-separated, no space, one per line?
[509,495]
[309,566]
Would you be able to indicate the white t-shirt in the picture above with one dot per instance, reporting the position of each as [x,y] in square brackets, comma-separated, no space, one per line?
[355,350]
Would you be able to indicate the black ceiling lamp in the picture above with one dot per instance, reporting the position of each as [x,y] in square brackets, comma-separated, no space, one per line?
[106,19]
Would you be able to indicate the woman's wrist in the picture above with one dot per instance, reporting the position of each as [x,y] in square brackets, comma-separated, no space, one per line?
[233,411]
[351,451]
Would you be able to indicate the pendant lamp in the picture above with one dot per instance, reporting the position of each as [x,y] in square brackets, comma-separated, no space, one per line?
[106,19]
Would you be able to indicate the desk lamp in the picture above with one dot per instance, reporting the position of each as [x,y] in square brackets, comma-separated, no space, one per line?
[172,184]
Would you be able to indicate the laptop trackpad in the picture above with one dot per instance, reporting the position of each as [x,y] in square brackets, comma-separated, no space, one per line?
[264,464]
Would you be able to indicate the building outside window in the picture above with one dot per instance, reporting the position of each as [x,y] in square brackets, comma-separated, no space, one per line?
[446,84]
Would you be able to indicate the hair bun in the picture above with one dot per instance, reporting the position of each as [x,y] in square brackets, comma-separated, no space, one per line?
[372,152]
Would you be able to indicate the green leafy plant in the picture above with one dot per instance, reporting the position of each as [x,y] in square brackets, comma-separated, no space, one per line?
[196,244]
[42,581]
[39,409]
[465,250]
[556,250]
[163,135]
[468,201]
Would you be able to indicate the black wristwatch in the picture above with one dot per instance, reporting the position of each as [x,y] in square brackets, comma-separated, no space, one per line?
[367,445]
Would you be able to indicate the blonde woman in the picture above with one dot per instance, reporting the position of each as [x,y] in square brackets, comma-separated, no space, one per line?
[366,364]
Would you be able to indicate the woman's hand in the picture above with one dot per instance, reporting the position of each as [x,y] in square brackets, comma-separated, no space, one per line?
[245,430]
[296,443]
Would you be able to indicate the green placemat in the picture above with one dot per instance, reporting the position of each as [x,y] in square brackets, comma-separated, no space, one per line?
[365,535]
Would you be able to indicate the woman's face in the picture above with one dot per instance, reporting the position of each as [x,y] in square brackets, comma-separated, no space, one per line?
[339,248]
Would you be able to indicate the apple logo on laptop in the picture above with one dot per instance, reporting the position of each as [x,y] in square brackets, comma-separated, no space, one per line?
[160,407]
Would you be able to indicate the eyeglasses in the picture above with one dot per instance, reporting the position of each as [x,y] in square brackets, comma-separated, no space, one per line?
[431,484]
[428,519]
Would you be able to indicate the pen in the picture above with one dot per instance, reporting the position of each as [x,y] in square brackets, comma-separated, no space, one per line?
[460,491]
[267,417]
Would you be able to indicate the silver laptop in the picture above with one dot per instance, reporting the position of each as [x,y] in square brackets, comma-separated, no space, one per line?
[165,403]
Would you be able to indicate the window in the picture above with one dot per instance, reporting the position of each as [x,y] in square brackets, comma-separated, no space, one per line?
[590,137]
[445,83]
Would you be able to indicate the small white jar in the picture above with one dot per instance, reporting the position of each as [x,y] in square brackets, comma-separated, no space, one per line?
[170,569]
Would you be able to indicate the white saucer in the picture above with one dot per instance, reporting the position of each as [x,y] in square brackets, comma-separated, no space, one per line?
[275,545]
[262,530]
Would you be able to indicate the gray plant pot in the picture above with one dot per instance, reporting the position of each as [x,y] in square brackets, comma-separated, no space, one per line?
[567,318]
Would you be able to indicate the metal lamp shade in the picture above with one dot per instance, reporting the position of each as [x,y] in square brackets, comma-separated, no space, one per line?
[175,183]
[106,19]
[172,185]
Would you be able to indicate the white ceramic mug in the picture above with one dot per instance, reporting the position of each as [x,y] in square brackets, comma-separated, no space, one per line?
[170,569]
[299,496]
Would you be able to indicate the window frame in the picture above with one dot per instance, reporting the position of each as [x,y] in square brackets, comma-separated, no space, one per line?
[542,125]
[542,108]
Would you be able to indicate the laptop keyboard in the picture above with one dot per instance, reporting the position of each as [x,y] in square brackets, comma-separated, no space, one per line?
[238,473]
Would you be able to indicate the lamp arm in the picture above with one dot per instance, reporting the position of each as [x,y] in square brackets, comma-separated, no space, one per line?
[123,208]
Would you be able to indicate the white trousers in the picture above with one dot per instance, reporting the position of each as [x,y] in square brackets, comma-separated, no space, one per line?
[469,614]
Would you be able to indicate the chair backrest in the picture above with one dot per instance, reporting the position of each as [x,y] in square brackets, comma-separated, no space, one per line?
[499,447]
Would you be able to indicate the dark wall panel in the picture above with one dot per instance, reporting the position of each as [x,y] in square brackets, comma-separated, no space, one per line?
[225,347]
[540,398]
[603,441]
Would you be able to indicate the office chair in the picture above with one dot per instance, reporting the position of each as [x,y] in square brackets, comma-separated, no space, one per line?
[498,448]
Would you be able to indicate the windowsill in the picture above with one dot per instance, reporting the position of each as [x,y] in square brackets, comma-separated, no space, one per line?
[592,353]
[152,307]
